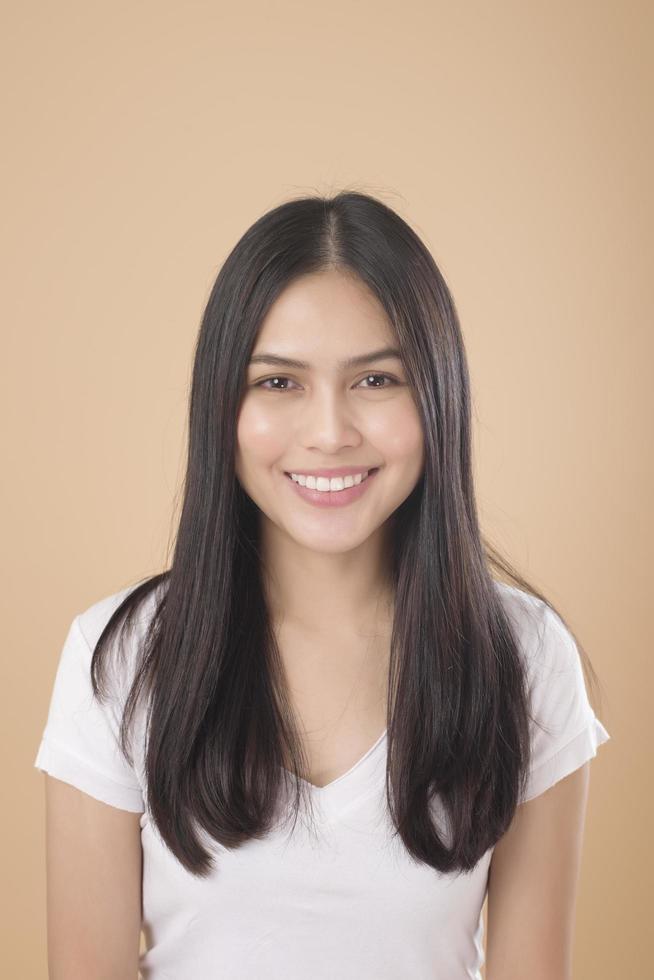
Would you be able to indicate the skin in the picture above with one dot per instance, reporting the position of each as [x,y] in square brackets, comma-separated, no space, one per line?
[533,882]
[327,566]
[94,867]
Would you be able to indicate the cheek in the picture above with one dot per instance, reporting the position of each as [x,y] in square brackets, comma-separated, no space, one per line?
[399,435]
[259,438]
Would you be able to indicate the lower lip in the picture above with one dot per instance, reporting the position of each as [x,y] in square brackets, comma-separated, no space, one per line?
[332,498]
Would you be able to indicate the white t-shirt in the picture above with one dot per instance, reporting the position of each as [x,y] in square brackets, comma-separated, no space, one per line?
[346,903]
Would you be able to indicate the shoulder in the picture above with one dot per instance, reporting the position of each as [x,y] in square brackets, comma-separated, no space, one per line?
[546,644]
[93,619]
[81,742]
[125,648]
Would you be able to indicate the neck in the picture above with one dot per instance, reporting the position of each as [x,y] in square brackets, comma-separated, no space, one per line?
[328,594]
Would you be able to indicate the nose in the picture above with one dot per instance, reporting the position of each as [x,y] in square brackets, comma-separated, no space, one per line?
[327,422]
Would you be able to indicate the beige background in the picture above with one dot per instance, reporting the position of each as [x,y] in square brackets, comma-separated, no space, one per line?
[140,142]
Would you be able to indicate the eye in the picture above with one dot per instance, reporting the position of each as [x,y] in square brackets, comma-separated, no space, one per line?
[265,382]
[278,377]
[390,377]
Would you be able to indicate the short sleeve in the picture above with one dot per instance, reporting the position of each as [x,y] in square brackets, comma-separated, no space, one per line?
[80,741]
[565,732]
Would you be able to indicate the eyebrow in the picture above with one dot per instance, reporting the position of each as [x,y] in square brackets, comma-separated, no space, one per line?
[349,362]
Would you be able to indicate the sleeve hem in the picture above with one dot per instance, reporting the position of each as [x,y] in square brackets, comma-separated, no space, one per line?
[567,759]
[63,764]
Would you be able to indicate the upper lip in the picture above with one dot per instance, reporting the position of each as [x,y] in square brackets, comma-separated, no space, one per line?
[337,471]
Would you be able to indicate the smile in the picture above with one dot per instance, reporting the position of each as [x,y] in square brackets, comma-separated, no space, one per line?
[337,492]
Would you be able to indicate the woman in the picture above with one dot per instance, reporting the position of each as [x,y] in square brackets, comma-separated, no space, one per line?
[328,642]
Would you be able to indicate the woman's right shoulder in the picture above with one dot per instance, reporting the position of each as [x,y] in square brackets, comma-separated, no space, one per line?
[93,619]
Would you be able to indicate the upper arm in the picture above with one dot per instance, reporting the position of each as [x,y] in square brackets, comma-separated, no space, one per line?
[94,865]
[532,885]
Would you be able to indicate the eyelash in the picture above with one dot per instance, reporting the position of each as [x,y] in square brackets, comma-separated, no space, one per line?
[281,377]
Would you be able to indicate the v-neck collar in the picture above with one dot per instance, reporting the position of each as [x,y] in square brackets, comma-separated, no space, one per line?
[333,796]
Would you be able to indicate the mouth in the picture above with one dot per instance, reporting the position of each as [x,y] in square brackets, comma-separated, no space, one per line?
[329,499]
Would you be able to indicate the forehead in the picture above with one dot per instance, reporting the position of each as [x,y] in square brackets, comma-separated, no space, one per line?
[325,312]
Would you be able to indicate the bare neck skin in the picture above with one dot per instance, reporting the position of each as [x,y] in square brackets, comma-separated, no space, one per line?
[332,614]
[325,596]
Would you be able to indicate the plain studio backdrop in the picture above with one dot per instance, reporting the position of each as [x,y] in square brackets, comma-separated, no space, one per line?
[140,140]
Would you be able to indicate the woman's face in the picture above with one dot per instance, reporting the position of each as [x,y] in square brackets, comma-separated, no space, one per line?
[325,414]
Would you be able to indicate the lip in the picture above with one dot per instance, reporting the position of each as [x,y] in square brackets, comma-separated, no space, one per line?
[333,498]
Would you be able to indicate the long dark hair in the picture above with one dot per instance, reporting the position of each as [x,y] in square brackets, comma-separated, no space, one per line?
[219,722]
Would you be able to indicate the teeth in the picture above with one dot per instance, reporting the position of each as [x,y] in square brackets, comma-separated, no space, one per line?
[324,484]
